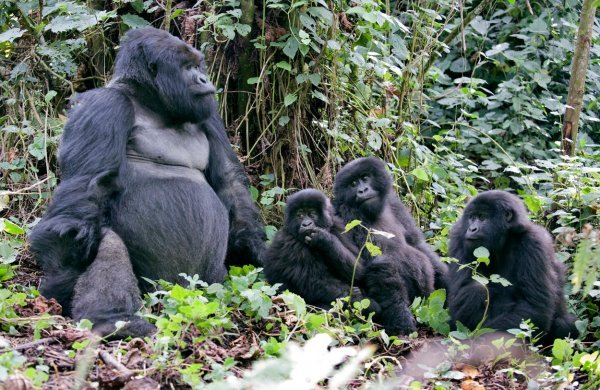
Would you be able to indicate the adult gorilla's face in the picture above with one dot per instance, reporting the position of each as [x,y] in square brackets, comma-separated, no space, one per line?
[183,85]
[486,224]
[363,184]
[166,74]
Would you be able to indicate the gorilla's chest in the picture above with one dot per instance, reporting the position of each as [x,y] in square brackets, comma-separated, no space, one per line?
[154,142]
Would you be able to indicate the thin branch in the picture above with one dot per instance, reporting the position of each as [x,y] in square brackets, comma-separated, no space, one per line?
[124,372]
[32,344]
[3,193]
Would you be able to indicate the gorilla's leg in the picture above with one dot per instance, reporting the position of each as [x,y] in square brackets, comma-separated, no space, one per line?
[59,283]
[108,292]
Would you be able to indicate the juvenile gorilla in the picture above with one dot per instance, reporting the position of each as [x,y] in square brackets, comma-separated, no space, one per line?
[309,256]
[406,268]
[520,252]
[150,188]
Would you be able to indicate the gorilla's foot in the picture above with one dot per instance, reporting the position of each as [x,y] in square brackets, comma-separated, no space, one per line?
[398,320]
[134,327]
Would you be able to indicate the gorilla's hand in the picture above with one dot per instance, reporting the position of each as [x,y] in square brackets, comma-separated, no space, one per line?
[317,237]
[246,246]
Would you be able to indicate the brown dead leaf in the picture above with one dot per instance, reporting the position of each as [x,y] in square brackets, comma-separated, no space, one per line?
[242,348]
[345,24]
[587,230]
[467,369]
[137,350]
[142,384]
[12,154]
[39,305]
[470,384]
[17,382]
[70,335]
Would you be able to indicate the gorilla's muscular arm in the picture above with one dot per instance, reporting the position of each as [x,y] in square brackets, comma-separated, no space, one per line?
[95,137]
[414,236]
[534,279]
[91,156]
[468,298]
[337,254]
[226,176]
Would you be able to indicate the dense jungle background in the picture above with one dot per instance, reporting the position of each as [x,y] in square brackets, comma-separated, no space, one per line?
[456,96]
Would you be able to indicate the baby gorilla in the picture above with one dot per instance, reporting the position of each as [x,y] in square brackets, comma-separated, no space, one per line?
[309,256]
[405,269]
[522,253]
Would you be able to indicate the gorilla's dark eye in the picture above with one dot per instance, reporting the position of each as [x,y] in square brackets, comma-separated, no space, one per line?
[354,183]
[364,177]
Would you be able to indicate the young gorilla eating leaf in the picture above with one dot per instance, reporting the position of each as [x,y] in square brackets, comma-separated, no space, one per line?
[309,256]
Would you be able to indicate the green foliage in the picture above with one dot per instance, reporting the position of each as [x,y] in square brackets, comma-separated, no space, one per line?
[431,312]
[9,299]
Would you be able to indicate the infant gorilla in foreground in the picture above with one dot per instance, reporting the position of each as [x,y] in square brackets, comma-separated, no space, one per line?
[309,256]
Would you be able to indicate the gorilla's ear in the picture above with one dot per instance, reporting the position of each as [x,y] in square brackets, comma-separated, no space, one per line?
[152,69]
[509,215]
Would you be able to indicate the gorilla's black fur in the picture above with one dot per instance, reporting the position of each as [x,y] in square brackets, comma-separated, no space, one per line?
[148,177]
[406,268]
[520,252]
[309,256]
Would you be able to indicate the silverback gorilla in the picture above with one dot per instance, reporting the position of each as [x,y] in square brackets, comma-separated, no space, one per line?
[407,267]
[309,256]
[150,187]
[520,252]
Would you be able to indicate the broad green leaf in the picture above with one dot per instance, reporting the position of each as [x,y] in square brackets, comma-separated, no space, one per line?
[561,350]
[495,278]
[481,252]
[12,228]
[134,21]
[79,22]
[351,225]
[11,34]
[460,65]
[289,99]
[533,203]
[374,139]
[420,174]
[373,249]
[284,65]
[481,280]
[291,47]
[314,321]
[49,96]
[242,29]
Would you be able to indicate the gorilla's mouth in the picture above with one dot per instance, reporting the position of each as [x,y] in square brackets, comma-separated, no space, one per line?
[366,199]
[200,91]
[304,231]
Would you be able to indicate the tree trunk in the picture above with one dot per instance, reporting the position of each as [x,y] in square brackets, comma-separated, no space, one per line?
[579,68]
